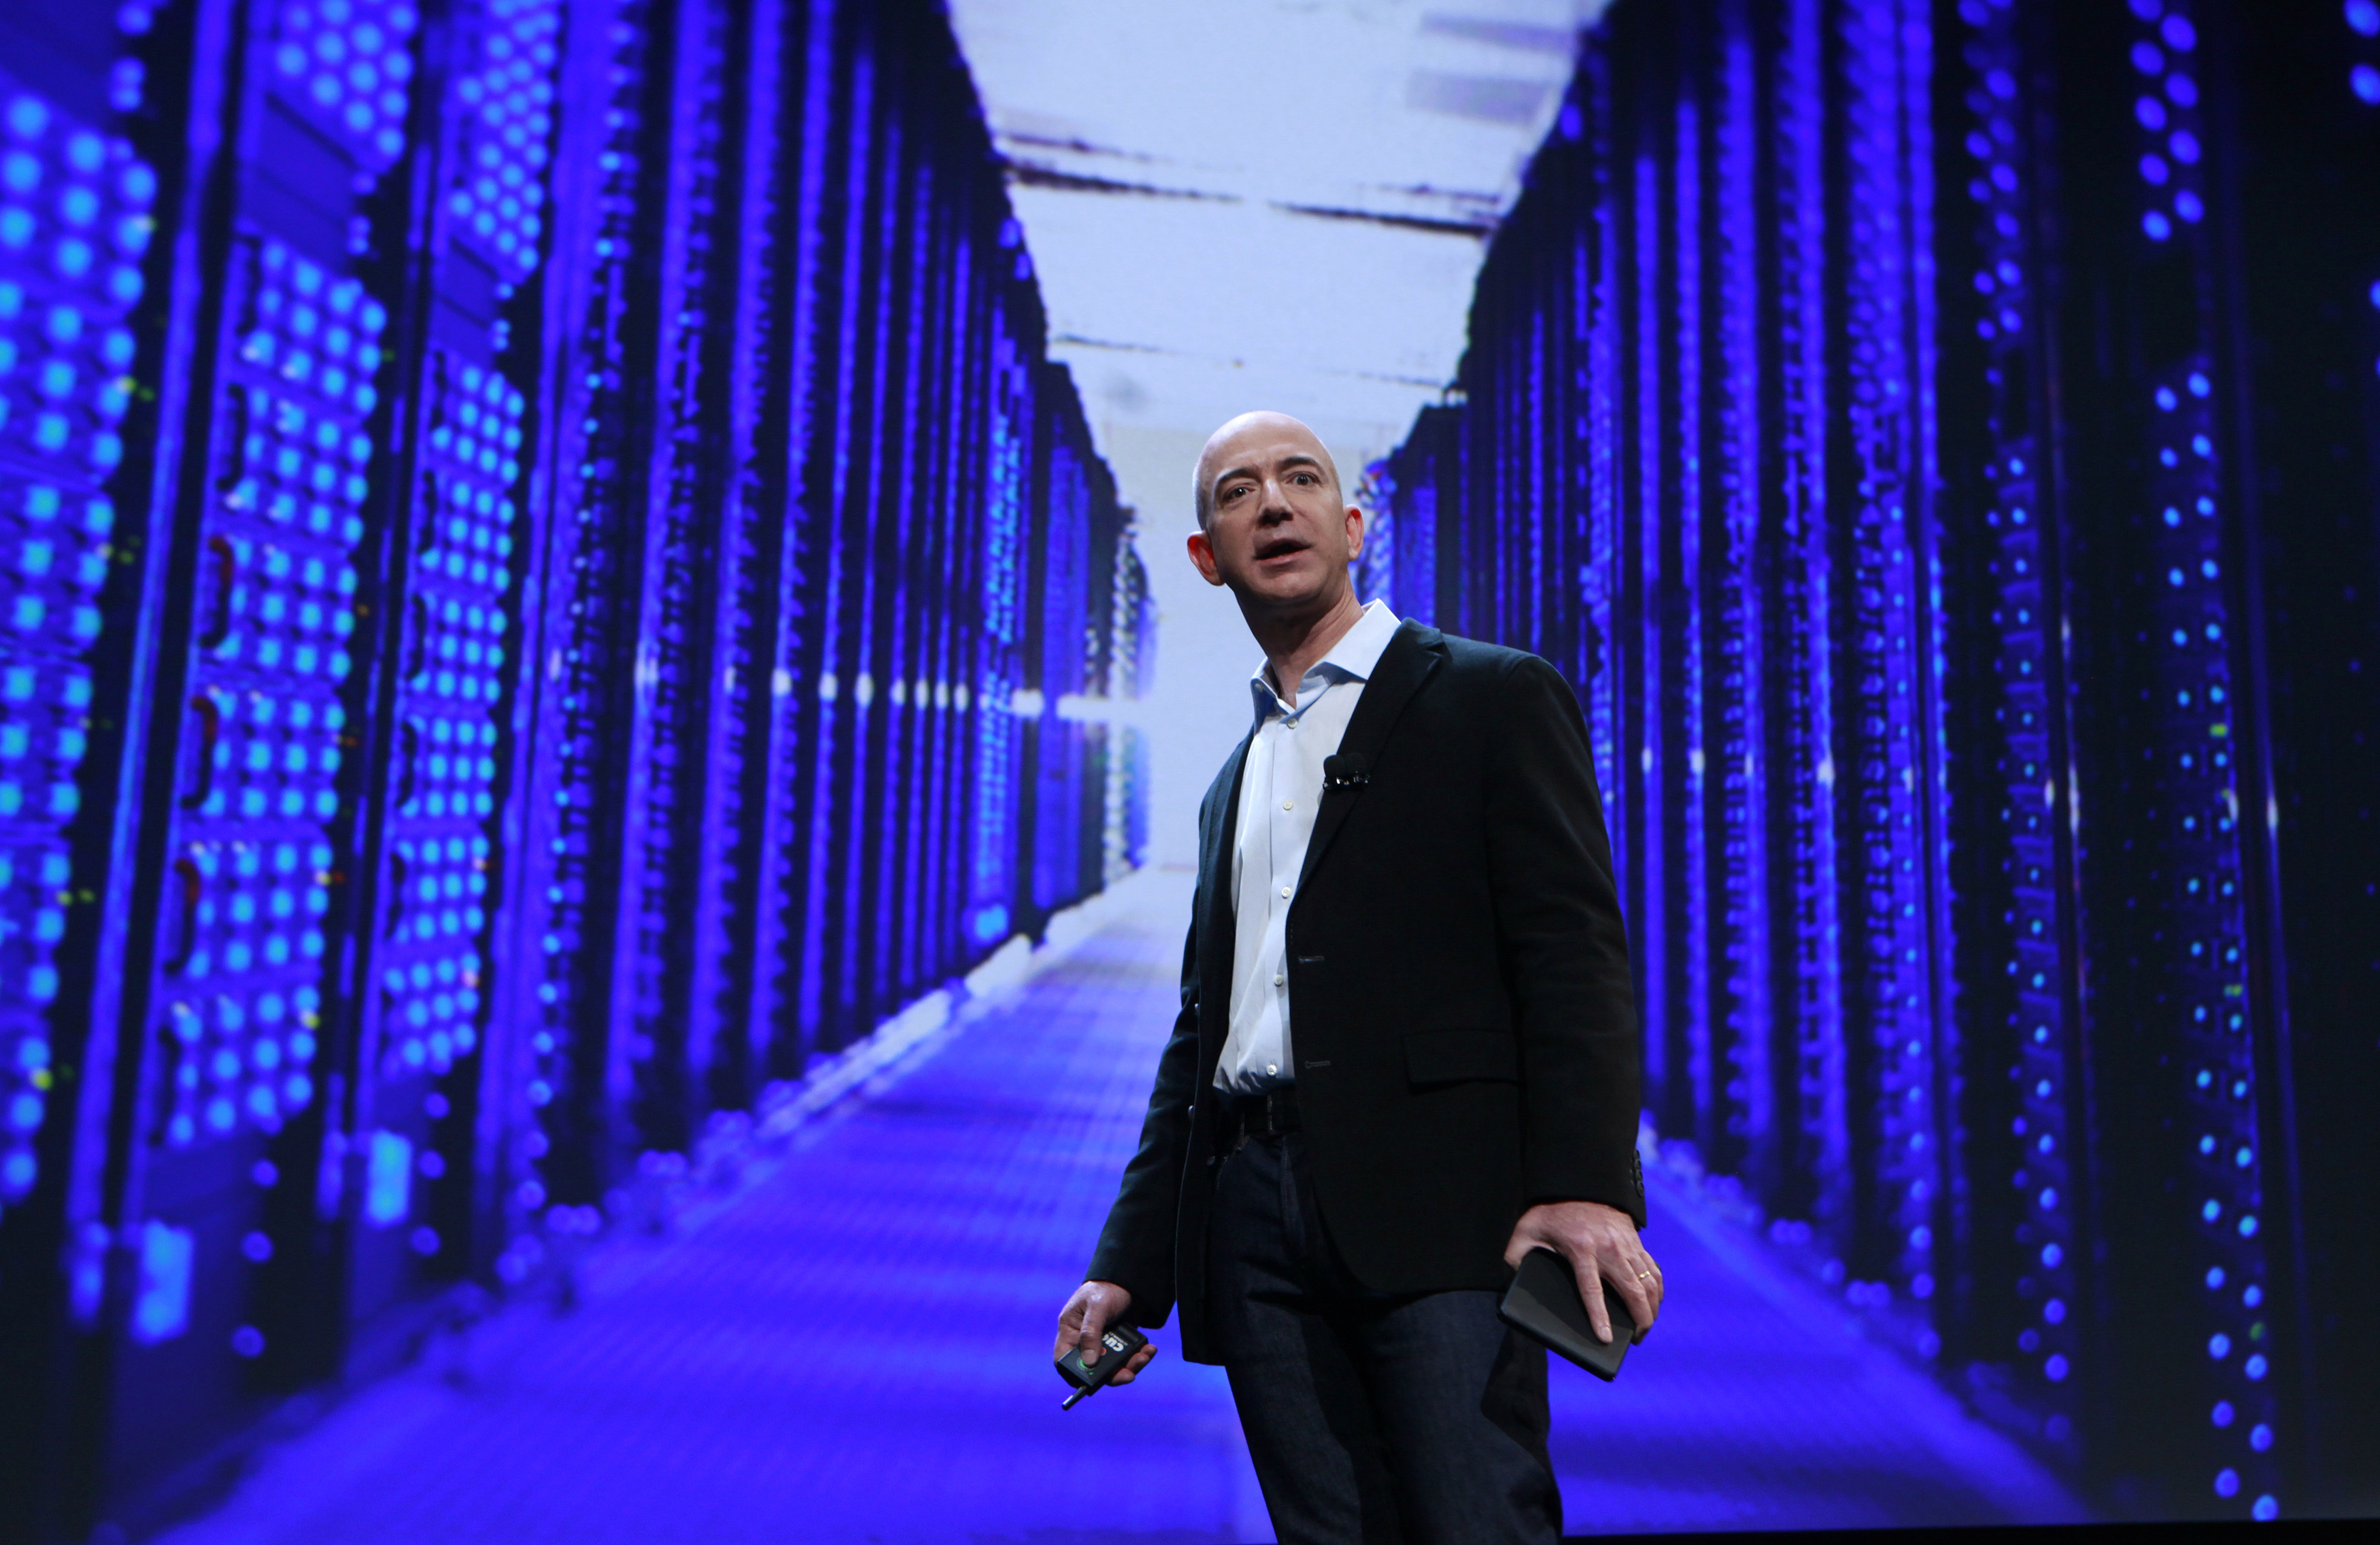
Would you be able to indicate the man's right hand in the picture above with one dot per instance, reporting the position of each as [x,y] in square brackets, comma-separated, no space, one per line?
[1094,1307]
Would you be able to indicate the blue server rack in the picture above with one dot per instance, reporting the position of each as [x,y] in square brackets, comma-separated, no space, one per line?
[523,521]
[1896,420]
[1074,575]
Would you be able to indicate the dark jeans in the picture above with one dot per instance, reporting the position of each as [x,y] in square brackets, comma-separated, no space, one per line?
[1412,1420]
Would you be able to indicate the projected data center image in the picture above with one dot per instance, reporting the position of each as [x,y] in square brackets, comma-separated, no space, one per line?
[1132,771]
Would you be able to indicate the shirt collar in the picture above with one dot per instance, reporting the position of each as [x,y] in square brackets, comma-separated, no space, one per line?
[1352,658]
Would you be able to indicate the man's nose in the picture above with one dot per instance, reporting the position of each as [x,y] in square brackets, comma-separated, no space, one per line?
[1276,502]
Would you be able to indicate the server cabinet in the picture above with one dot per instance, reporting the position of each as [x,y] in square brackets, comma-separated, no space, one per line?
[517,517]
[298,860]
[1894,417]
[97,307]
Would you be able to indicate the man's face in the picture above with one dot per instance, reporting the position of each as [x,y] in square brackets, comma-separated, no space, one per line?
[1277,531]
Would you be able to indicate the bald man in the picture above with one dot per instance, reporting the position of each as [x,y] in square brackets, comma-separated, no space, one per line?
[1406,1054]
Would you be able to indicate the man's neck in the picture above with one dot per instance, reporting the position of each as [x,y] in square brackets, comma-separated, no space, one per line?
[1295,646]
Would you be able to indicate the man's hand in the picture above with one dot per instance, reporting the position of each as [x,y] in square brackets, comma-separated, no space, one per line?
[1093,1308]
[1598,1241]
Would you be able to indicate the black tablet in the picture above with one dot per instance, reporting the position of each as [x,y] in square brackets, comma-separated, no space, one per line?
[1542,1302]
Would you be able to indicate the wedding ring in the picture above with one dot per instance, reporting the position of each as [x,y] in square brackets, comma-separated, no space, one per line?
[1642,1275]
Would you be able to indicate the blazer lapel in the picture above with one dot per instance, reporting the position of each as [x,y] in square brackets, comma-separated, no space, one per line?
[1218,936]
[1412,654]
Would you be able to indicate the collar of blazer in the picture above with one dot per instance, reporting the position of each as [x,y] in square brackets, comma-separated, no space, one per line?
[1414,652]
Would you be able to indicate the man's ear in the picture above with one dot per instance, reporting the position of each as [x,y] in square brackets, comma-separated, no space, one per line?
[1202,555]
[1355,531]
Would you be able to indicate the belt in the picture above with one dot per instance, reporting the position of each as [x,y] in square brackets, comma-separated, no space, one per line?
[1254,1116]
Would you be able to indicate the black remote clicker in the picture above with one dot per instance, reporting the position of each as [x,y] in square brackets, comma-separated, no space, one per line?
[1118,1342]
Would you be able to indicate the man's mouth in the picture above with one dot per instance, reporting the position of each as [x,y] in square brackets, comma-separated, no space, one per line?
[1280,548]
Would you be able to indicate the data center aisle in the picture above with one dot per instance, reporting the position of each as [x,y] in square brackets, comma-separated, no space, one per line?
[854,1352]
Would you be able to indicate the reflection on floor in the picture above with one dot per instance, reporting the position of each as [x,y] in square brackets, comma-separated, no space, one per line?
[857,1351]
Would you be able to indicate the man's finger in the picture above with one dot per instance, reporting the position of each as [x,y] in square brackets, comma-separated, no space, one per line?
[1517,1248]
[1598,1316]
[1079,1327]
[1140,1359]
[1586,1274]
[1639,1302]
[1651,1283]
[1069,1330]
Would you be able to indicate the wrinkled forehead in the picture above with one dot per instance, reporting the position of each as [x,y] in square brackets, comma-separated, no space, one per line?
[1262,446]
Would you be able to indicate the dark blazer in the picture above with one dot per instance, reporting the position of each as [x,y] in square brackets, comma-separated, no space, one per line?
[1461,1006]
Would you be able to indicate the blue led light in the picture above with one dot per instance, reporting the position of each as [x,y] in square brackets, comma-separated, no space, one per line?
[161,1307]
[998,746]
[1893,758]
[277,613]
[498,196]
[63,391]
[388,1178]
[1745,998]
[1652,651]
[2204,847]
[346,65]
[1687,755]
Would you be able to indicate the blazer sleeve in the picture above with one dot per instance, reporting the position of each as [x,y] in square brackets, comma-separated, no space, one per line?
[1564,947]
[1135,1249]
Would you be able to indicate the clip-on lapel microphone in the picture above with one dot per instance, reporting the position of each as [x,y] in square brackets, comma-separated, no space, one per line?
[1347,770]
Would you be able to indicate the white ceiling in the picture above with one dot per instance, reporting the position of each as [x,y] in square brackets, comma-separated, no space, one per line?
[1254,203]
[1262,204]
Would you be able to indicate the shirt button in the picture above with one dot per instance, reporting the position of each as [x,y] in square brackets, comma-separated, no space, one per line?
[1287,804]
[1284,892]
[1278,979]
[1272,1067]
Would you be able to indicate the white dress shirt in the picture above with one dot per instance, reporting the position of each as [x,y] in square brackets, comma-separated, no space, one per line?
[1281,788]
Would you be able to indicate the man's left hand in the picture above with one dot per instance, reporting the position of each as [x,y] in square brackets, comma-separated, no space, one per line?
[1598,1241]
